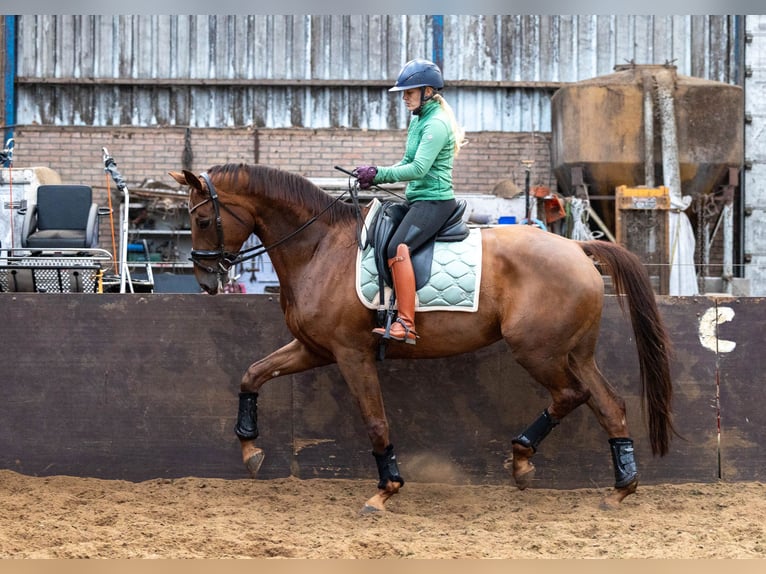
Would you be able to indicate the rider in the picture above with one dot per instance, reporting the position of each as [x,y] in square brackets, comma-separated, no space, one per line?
[433,140]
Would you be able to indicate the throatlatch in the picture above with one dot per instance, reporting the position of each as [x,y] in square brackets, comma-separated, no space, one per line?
[247,416]
[625,470]
[537,431]
[387,467]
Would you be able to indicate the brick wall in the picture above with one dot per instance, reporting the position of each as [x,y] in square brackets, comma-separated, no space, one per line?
[149,153]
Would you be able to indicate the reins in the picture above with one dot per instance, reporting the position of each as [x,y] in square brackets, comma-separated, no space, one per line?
[227,259]
[354,192]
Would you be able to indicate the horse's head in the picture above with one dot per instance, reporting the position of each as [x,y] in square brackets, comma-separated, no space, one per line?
[217,231]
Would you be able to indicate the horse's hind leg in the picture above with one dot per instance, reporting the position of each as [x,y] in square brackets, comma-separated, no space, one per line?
[609,409]
[570,386]
[567,393]
[525,446]
[292,358]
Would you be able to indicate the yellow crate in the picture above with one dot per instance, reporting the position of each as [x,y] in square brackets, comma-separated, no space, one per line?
[642,197]
[642,226]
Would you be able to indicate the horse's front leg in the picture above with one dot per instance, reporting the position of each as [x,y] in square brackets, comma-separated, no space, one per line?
[360,373]
[292,358]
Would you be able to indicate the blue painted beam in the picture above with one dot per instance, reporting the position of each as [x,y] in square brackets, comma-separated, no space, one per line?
[10,76]
[438,47]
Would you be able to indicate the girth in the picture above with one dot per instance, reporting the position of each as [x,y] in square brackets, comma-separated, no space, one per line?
[389,217]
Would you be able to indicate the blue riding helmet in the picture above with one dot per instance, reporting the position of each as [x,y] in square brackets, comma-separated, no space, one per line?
[419,73]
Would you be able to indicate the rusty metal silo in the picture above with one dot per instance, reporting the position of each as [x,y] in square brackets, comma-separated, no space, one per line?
[613,130]
[598,126]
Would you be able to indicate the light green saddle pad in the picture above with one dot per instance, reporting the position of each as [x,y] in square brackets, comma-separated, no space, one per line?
[455,275]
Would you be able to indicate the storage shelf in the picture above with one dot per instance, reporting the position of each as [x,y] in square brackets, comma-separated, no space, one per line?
[173,241]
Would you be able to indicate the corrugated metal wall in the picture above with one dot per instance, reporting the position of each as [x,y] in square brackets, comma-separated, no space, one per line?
[754,178]
[332,71]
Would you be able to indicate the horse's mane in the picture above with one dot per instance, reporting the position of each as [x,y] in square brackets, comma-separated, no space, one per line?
[284,186]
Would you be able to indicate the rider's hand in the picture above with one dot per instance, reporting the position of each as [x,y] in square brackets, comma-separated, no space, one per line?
[365,174]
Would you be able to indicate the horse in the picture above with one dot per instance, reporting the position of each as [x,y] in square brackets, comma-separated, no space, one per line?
[312,240]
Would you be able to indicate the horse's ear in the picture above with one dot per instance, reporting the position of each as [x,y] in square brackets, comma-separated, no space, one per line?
[186,178]
[179,177]
[192,180]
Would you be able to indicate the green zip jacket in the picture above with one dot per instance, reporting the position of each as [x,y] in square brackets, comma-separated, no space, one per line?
[428,157]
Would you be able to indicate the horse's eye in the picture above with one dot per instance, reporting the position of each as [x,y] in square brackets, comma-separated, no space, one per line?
[203,223]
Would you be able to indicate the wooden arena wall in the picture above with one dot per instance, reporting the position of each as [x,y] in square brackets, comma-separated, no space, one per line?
[138,387]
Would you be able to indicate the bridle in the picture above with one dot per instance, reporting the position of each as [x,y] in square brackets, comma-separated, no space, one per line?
[225,260]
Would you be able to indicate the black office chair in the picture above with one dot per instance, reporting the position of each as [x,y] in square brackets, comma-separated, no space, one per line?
[63,217]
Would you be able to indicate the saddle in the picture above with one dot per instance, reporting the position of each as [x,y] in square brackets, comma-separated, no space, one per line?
[388,218]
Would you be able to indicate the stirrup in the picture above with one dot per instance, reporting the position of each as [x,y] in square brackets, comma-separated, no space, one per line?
[387,334]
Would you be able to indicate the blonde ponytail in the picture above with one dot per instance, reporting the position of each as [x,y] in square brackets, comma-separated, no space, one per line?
[457,130]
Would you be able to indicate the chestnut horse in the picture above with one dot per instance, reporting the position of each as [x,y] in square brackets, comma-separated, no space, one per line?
[312,241]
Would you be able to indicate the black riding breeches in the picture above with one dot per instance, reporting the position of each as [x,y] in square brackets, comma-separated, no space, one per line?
[422,221]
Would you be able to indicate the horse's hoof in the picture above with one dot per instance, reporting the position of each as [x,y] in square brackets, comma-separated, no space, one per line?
[524,479]
[612,500]
[378,502]
[254,462]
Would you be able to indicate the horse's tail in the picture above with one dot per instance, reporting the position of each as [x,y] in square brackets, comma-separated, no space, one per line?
[630,278]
